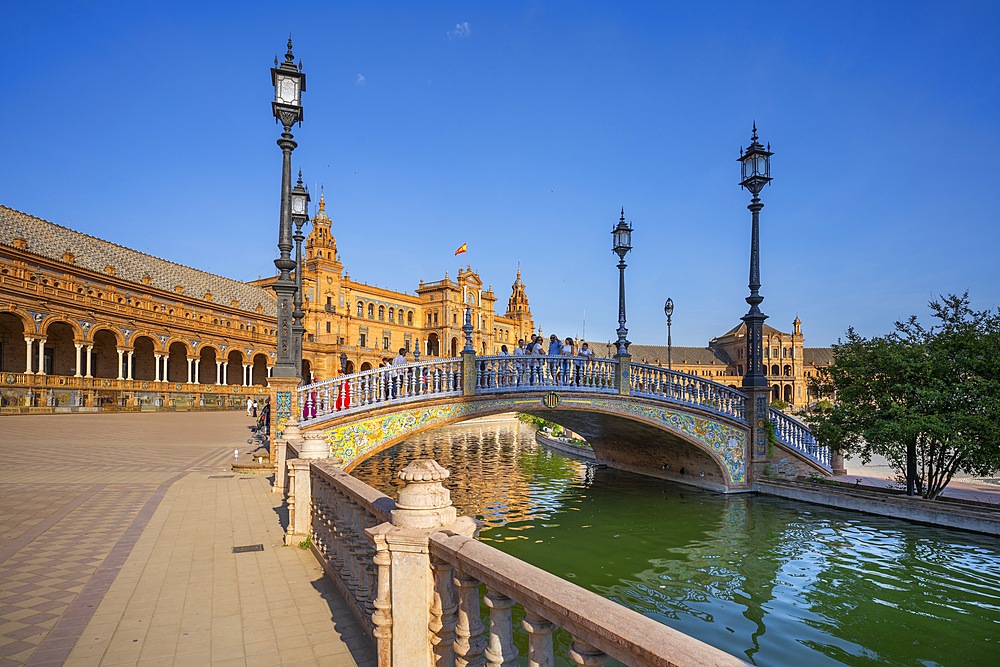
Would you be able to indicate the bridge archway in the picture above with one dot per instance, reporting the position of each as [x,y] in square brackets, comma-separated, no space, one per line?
[683,445]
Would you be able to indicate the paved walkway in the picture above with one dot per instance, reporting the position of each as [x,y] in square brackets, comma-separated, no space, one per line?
[878,473]
[116,538]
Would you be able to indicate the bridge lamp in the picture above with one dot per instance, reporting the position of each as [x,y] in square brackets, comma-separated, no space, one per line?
[668,310]
[343,363]
[300,213]
[622,236]
[756,165]
[289,83]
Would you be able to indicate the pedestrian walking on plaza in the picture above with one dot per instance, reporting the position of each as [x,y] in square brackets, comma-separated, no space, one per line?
[249,407]
[255,407]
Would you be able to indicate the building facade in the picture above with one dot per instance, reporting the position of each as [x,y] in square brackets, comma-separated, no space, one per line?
[789,365]
[86,324]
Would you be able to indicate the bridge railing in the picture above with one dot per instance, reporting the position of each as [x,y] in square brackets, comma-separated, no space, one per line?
[796,435]
[397,384]
[524,373]
[654,381]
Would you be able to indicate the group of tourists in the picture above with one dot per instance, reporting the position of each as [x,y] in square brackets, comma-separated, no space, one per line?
[567,371]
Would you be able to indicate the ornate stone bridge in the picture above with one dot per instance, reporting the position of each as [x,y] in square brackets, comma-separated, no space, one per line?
[635,416]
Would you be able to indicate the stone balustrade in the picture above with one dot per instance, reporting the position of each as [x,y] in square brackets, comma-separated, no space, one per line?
[412,571]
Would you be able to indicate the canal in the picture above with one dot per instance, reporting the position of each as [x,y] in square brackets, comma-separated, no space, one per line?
[768,580]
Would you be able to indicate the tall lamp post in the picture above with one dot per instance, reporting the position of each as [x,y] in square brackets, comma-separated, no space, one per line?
[289,84]
[622,235]
[300,214]
[756,162]
[668,310]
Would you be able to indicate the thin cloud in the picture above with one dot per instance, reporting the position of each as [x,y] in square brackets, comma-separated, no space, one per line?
[360,81]
[461,31]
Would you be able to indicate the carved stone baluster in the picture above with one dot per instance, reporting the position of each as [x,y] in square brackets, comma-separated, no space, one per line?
[582,653]
[539,640]
[443,616]
[501,651]
[469,643]
[382,617]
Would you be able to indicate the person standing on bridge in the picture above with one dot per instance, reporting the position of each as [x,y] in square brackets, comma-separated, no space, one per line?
[397,376]
[555,349]
[569,366]
[519,364]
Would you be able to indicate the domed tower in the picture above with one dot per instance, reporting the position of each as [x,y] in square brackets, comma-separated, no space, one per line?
[321,247]
[518,309]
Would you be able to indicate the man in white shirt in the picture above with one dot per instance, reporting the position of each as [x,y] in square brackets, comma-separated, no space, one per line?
[397,375]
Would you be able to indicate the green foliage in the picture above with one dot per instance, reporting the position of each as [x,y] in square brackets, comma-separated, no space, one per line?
[933,391]
[306,543]
[779,405]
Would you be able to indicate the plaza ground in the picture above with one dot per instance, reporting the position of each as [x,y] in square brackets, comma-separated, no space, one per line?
[116,548]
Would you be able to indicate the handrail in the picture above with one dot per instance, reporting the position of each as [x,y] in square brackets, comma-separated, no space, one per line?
[658,382]
[508,373]
[385,385]
[593,621]
[794,434]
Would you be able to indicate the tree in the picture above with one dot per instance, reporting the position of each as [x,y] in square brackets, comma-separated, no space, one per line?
[928,400]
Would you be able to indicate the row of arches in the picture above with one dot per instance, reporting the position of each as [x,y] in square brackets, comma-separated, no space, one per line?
[61,350]
[392,311]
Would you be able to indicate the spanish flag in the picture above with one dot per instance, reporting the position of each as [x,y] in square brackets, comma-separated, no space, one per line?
[462,248]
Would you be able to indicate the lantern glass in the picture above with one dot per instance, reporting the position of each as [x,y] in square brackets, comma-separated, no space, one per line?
[622,237]
[668,307]
[286,89]
[298,203]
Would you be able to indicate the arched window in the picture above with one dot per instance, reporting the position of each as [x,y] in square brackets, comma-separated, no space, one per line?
[381,312]
[371,311]
[392,314]
[409,318]
[361,309]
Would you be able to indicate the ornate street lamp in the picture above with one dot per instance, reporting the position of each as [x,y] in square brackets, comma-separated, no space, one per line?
[756,162]
[300,214]
[622,235]
[668,310]
[289,84]
[343,363]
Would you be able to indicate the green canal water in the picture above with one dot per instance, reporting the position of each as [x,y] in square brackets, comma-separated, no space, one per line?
[771,581]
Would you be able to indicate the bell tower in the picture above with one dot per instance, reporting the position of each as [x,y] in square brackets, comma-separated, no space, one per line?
[518,309]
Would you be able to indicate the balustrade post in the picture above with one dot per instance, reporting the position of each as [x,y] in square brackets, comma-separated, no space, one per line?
[469,642]
[423,507]
[443,613]
[539,640]
[623,374]
[280,466]
[582,653]
[837,462]
[759,420]
[501,651]
[299,501]
[469,372]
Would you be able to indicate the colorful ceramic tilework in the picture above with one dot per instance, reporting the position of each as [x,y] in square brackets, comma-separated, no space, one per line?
[282,411]
[354,440]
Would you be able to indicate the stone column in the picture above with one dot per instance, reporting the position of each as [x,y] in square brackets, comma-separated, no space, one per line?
[623,374]
[300,507]
[225,372]
[757,409]
[269,370]
[218,372]
[424,507]
[79,359]
[28,360]
[197,370]
[41,356]
[190,366]
[247,372]
[121,353]
[157,358]
[837,463]
[90,358]
[129,367]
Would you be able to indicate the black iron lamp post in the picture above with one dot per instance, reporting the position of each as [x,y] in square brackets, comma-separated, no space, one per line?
[668,310]
[300,214]
[756,162]
[289,84]
[622,235]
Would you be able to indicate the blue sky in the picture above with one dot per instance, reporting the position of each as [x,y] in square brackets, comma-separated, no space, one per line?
[522,129]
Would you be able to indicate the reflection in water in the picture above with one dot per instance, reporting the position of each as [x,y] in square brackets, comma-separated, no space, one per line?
[768,580]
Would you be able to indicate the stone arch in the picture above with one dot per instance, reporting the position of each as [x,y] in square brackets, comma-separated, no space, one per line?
[787,394]
[433,345]
[13,348]
[143,357]
[235,360]
[104,363]
[349,368]
[207,369]
[77,330]
[307,372]
[366,366]
[258,374]
[60,352]
[119,336]
[775,392]
[454,347]
[177,361]
[640,436]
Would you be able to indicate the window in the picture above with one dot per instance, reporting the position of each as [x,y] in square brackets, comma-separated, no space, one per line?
[371,311]
[409,318]
[385,342]
[361,309]
[392,314]
[363,340]
[454,318]
[435,318]
[329,301]
[328,327]
[381,313]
